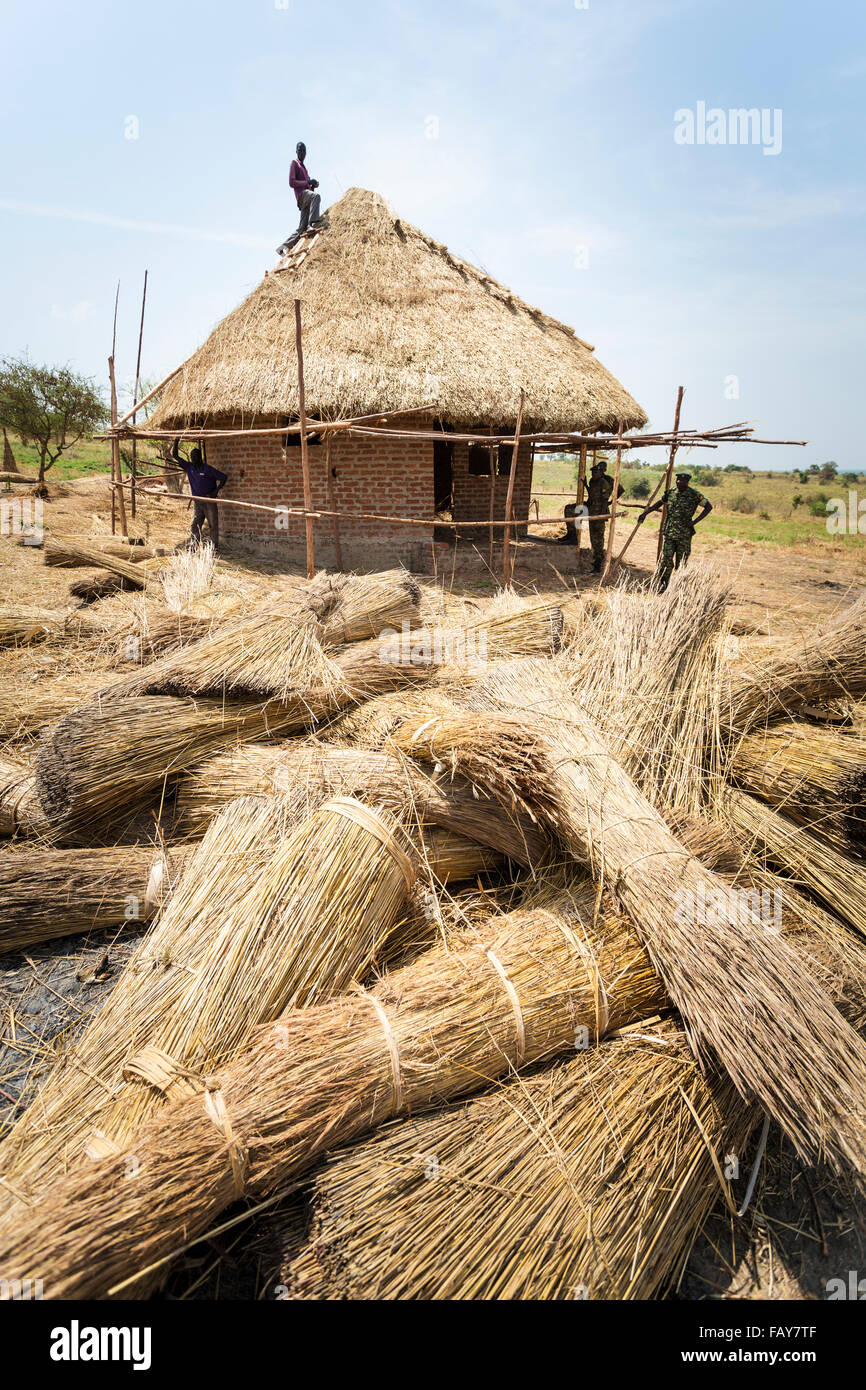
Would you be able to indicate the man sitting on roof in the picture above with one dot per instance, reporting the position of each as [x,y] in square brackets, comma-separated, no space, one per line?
[204,484]
[308,200]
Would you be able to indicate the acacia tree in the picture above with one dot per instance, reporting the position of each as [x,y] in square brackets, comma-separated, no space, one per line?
[50,407]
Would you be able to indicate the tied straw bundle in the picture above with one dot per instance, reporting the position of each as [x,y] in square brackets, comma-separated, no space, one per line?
[814,776]
[20,808]
[63,550]
[262,921]
[46,894]
[797,1055]
[316,771]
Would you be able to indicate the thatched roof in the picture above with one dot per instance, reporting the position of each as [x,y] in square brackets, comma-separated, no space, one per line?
[391,320]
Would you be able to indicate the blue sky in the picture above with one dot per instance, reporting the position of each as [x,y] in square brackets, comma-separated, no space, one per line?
[536,139]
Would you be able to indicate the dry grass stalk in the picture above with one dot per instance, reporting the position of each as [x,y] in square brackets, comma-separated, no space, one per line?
[587,1181]
[830,663]
[120,752]
[187,576]
[533,984]
[758,1011]
[26,709]
[815,776]
[51,893]
[68,552]
[317,771]
[261,921]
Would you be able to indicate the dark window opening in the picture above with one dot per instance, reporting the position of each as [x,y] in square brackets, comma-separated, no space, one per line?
[479,460]
[503,461]
[293,441]
[443,475]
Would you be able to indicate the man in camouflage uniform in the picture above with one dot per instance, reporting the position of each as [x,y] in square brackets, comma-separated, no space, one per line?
[599,491]
[681,503]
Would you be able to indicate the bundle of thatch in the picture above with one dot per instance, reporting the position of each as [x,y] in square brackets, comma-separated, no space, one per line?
[317,771]
[281,647]
[798,1056]
[830,663]
[118,753]
[534,984]
[513,626]
[805,856]
[368,725]
[50,893]
[648,674]
[813,775]
[70,551]
[66,551]
[27,709]
[20,809]
[262,921]
[26,627]
[586,1181]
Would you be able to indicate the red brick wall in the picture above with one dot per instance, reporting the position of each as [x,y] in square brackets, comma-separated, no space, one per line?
[372,475]
[471,492]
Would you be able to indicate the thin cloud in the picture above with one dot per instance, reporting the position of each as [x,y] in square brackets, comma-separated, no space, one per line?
[129,224]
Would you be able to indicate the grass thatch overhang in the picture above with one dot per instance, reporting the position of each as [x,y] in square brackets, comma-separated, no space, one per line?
[393,321]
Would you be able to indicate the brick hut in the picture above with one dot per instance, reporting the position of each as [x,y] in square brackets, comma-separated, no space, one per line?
[391,321]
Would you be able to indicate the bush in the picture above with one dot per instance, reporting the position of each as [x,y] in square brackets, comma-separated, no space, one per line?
[797,500]
[742,503]
[639,487]
[818,506]
[765,516]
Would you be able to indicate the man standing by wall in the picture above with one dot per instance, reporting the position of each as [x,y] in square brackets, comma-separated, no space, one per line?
[204,485]
[680,503]
[599,491]
[308,200]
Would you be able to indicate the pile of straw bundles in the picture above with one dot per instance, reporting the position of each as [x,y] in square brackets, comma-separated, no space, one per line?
[534,984]
[20,808]
[65,551]
[262,921]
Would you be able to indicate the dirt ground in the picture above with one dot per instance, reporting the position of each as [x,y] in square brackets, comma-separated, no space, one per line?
[805,1226]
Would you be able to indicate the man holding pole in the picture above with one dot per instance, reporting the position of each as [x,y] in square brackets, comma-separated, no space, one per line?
[204,485]
[680,504]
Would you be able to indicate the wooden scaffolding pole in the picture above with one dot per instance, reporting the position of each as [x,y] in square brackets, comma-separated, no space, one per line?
[332,501]
[116,474]
[506,560]
[581,480]
[135,394]
[614,502]
[669,471]
[305,458]
[491,463]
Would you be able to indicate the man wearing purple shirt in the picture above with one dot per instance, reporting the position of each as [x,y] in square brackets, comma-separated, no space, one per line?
[308,200]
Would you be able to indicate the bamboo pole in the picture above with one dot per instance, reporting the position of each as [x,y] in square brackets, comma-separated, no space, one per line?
[135,392]
[305,458]
[670,469]
[332,498]
[581,480]
[613,509]
[506,559]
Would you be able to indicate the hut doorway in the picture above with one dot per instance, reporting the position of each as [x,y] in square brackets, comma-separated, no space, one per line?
[443,475]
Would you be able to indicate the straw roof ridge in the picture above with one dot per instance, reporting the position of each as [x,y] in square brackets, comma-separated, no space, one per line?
[393,321]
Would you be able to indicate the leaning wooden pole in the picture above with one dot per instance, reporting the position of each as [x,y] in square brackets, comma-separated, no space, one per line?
[491,461]
[506,562]
[614,502]
[305,457]
[669,471]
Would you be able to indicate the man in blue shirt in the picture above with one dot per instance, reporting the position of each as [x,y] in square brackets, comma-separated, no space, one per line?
[204,485]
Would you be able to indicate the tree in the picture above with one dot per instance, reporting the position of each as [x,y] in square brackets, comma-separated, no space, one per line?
[51,407]
[828,471]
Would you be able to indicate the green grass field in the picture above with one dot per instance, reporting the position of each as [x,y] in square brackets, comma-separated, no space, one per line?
[753,507]
[90,456]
